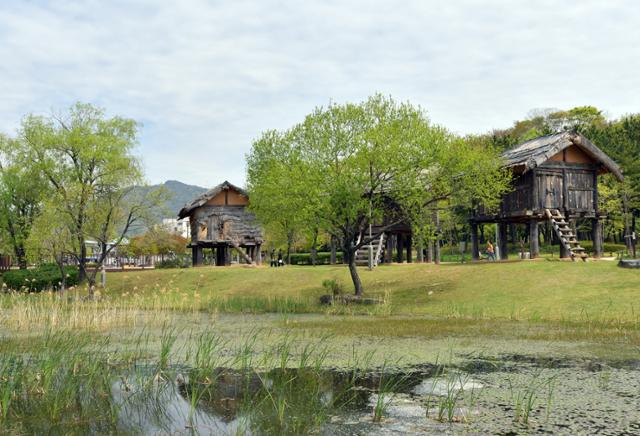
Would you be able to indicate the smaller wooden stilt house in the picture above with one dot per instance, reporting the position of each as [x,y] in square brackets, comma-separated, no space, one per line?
[220,222]
[555,179]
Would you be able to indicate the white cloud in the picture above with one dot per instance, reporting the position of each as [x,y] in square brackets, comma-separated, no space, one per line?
[206,77]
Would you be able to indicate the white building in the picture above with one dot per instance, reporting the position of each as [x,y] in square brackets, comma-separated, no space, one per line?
[179,227]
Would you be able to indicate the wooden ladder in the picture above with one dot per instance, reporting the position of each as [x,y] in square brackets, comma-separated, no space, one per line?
[565,233]
[362,255]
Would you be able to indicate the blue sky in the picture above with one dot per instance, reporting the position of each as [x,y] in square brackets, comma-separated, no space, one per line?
[206,77]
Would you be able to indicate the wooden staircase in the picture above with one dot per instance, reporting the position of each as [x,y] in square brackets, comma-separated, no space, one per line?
[566,235]
[362,255]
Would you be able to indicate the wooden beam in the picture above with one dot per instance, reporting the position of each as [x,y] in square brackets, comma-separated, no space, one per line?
[239,249]
[399,247]
[475,249]
[502,236]
[534,243]
[196,254]
[596,236]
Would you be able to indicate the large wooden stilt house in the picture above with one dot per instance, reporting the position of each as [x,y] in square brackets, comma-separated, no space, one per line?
[220,222]
[555,180]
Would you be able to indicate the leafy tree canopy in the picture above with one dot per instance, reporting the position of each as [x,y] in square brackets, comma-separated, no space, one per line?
[378,162]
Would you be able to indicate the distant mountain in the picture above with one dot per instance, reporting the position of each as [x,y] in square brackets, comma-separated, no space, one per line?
[181,194]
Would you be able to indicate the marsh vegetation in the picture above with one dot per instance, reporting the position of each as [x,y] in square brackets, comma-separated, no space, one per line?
[195,351]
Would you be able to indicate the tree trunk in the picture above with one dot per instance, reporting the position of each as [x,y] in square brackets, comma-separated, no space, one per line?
[289,245]
[333,250]
[314,249]
[357,284]
[436,223]
[63,279]
[349,253]
[82,262]
[21,257]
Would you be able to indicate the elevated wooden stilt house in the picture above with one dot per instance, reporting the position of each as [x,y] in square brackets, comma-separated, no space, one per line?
[555,179]
[220,222]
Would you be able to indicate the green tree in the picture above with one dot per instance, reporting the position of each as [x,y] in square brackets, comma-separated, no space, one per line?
[49,239]
[351,162]
[88,162]
[21,191]
[282,206]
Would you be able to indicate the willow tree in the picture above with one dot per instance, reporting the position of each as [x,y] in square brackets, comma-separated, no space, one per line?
[22,189]
[378,162]
[88,162]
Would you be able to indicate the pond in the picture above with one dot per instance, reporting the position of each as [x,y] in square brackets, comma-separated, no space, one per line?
[506,394]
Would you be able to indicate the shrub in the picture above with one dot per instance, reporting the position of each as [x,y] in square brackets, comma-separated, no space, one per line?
[177,262]
[45,276]
[334,287]
[322,258]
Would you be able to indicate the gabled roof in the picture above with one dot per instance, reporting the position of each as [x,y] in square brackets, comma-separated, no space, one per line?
[535,152]
[204,198]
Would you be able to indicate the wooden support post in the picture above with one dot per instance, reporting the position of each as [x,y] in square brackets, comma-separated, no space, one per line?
[502,241]
[436,251]
[219,260]
[430,252]
[409,249]
[259,254]
[399,247]
[513,232]
[596,236]
[388,254]
[196,255]
[475,249]
[534,246]
[227,255]
[420,253]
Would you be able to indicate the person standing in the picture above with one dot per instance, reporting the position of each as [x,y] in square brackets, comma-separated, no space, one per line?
[491,255]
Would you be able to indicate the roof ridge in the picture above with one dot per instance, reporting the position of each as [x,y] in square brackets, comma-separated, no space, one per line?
[534,152]
[201,199]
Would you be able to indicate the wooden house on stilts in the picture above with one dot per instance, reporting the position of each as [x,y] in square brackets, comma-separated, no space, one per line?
[555,179]
[220,222]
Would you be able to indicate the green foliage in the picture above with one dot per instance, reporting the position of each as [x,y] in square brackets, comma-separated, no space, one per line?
[157,241]
[175,262]
[21,191]
[333,286]
[322,258]
[283,207]
[88,162]
[46,276]
[343,165]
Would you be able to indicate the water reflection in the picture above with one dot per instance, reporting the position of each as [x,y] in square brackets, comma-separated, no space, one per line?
[227,401]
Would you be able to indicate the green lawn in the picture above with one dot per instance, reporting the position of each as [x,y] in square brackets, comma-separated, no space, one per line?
[538,290]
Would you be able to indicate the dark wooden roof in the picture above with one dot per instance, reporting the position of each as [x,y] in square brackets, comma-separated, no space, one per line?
[204,198]
[535,152]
